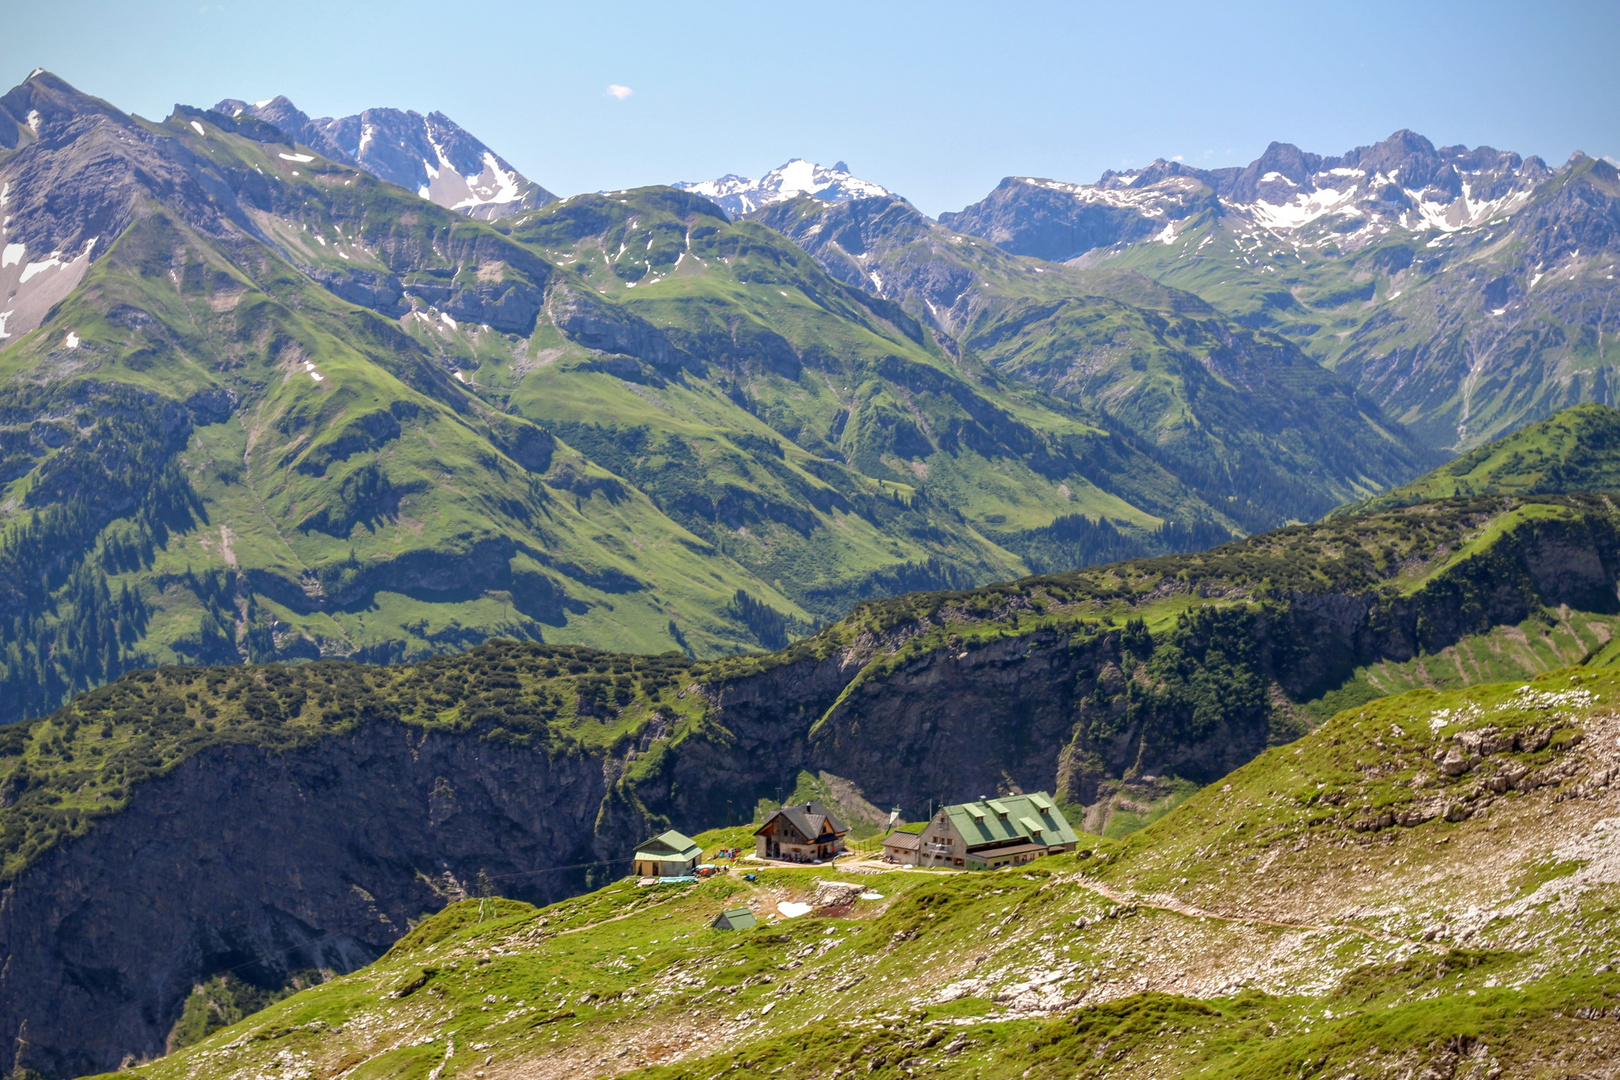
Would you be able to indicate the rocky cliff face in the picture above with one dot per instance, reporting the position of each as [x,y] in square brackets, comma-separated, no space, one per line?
[262,864]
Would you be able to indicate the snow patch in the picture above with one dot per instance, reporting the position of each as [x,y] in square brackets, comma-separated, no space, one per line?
[447,320]
[33,121]
[4,315]
[12,255]
[199,128]
[791,909]
[295,157]
[40,267]
[72,340]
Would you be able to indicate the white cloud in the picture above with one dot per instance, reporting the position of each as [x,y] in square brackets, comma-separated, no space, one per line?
[1178,157]
[620,92]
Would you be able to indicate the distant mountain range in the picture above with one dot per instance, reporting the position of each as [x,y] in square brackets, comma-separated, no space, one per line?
[278,407]
[1402,183]
[1465,291]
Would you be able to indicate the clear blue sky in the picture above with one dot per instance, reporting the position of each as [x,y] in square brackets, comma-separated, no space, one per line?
[935,100]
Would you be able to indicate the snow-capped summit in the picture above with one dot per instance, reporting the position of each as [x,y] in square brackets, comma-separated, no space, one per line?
[738,195]
[431,155]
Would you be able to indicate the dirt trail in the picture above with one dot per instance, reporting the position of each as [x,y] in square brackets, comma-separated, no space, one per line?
[1165,902]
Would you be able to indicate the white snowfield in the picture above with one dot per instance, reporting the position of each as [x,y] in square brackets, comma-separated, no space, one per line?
[30,288]
[740,194]
[492,187]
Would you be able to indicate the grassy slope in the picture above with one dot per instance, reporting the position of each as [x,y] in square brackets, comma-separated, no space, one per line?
[862,401]
[1573,450]
[1277,924]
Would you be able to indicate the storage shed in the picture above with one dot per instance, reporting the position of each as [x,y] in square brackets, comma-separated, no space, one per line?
[669,854]
[737,918]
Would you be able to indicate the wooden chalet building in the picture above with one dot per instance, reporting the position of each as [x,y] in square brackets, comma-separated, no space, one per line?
[803,832]
[987,834]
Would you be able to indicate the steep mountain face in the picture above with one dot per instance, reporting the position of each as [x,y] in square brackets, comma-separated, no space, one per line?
[393,789]
[738,195]
[1465,291]
[285,409]
[431,155]
[1419,888]
[1242,416]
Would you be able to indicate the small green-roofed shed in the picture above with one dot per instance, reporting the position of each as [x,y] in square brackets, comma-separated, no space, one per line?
[737,918]
[669,854]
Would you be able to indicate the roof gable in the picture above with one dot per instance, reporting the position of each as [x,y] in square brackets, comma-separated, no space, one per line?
[670,844]
[813,820]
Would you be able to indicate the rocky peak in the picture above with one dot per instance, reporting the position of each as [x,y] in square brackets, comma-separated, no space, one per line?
[45,107]
[1282,167]
[431,155]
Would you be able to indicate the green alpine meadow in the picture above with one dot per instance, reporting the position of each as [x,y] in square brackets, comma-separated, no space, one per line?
[458,624]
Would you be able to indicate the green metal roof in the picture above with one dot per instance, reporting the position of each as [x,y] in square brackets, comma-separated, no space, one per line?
[1023,815]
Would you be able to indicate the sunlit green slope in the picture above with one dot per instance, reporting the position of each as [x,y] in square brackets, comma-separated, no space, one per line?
[1577,449]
